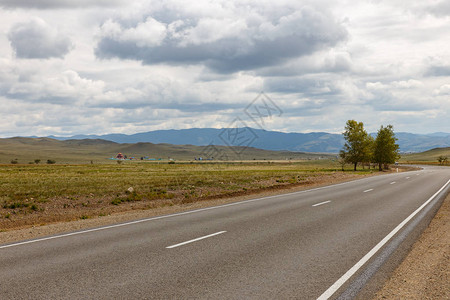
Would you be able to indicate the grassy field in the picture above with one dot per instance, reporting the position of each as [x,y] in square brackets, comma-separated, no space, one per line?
[37,194]
[430,156]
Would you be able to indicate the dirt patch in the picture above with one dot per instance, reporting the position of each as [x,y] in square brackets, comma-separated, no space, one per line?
[425,272]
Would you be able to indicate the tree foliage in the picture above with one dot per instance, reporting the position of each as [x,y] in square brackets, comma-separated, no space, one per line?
[357,147]
[386,150]
[360,147]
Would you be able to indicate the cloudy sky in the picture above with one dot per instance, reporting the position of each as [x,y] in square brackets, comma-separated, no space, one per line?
[101,66]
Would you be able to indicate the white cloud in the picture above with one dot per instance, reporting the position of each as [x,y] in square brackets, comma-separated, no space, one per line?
[153,64]
[65,88]
[146,34]
[443,90]
[49,4]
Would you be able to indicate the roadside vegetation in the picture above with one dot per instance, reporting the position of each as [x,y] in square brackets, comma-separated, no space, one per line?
[361,148]
[42,193]
[50,190]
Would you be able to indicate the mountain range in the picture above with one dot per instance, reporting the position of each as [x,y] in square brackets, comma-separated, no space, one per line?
[268,140]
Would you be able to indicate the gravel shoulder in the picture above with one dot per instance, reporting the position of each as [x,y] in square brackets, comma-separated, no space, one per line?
[425,272]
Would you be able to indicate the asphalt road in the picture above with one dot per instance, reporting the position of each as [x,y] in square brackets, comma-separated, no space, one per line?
[301,245]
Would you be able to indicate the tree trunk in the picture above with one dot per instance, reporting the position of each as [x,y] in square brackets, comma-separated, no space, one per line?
[380,167]
[354,169]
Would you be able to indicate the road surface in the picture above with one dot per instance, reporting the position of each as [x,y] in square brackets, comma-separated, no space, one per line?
[319,243]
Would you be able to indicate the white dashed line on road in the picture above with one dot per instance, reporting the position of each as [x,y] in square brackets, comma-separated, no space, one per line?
[332,289]
[369,190]
[195,240]
[393,182]
[321,203]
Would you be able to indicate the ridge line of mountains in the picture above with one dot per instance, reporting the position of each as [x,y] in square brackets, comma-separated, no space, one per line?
[321,142]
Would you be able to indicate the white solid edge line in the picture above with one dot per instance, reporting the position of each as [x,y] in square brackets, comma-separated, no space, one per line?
[195,240]
[325,202]
[369,190]
[332,289]
[178,214]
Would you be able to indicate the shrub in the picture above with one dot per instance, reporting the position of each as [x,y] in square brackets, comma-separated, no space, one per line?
[442,160]
[14,161]
[15,205]
[116,201]
[51,161]
[37,161]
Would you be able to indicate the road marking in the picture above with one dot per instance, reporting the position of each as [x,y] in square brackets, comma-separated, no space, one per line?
[321,203]
[408,177]
[195,240]
[393,182]
[175,214]
[369,190]
[337,285]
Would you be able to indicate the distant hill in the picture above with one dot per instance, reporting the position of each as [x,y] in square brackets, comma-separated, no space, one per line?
[26,150]
[427,156]
[268,140]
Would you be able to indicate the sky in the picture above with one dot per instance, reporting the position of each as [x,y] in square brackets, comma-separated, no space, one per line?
[122,66]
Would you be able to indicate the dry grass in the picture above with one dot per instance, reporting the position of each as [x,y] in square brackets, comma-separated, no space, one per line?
[37,194]
[427,157]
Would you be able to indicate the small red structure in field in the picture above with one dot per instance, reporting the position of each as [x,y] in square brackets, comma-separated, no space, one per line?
[120,156]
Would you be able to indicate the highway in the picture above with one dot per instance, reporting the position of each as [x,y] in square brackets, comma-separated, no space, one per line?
[312,244]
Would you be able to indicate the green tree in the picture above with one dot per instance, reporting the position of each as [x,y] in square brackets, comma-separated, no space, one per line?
[386,151]
[369,150]
[442,160]
[357,145]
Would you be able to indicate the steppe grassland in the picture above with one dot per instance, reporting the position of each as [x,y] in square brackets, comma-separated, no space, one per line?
[48,193]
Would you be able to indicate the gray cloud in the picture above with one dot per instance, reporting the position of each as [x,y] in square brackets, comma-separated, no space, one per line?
[36,39]
[222,44]
[319,62]
[440,9]
[173,64]
[48,4]
[438,71]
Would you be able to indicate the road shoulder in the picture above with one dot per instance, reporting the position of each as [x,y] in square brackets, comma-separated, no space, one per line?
[425,272]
